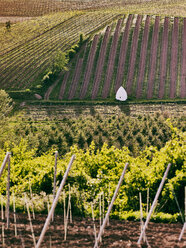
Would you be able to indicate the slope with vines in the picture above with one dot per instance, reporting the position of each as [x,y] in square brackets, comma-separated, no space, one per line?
[22,66]
[146,77]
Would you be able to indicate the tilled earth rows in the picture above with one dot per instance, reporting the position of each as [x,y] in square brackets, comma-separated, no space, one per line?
[80,233]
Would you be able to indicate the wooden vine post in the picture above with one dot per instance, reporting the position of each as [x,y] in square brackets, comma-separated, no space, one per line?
[54,203]
[141,218]
[14,209]
[184,225]
[5,161]
[8,195]
[55,173]
[154,204]
[110,207]
[30,220]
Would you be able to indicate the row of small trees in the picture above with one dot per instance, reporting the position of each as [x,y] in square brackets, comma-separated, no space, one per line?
[135,133]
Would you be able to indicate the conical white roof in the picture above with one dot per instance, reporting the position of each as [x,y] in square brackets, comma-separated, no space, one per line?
[121,94]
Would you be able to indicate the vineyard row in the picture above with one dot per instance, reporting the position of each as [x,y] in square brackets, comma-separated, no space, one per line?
[144,54]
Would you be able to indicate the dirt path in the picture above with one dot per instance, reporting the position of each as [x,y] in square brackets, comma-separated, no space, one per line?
[80,234]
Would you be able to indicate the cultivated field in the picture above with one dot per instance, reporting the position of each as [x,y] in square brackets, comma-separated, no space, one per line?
[144,54]
[67,144]
[81,233]
[24,64]
[138,47]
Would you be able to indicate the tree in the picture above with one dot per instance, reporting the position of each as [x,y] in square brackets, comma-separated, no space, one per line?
[8,25]
[59,62]
[6,104]
[5,109]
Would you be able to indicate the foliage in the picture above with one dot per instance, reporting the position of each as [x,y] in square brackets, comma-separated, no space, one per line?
[156,217]
[76,48]
[58,62]
[8,25]
[98,170]
[5,104]
[135,133]
[44,38]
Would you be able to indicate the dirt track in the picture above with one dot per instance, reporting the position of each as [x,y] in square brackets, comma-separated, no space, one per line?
[80,234]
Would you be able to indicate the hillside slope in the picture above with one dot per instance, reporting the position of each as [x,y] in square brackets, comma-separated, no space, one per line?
[25,65]
[144,54]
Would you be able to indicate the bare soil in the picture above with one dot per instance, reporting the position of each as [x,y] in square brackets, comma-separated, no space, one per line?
[80,233]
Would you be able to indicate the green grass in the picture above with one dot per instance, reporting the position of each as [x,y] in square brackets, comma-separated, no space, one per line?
[178,86]
[146,75]
[167,81]
[157,70]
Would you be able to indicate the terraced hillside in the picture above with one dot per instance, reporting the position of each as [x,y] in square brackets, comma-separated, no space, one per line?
[145,54]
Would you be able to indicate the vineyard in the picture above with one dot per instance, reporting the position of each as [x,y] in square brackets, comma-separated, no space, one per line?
[37,8]
[89,188]
[77,167]
[141,53]
[21,66]
[43,7]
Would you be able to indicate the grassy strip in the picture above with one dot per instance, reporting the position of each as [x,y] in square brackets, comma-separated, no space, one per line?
[163,58]
[156,217]
[158,58]
[180,55]
[107,102]
[168,75]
